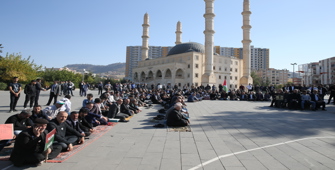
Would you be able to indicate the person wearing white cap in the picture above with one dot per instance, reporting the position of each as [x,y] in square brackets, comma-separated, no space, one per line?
[53,110]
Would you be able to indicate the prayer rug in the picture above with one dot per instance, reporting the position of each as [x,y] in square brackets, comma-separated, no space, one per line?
[5,152]
[129,117]
[179,129]
[99,131]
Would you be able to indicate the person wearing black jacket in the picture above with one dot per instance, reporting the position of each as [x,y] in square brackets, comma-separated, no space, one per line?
[294,99]
[30,91]
[29,145]
[62,128]
[20,122]
[38,91]
[39,113]
[83,123]
[174,117]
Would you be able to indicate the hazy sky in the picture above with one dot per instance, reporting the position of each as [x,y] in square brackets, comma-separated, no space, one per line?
[59,32]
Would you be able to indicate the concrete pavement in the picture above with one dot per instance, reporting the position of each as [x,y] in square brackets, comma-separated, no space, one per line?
[232,135]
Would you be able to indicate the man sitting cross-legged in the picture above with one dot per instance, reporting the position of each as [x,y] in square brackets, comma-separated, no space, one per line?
[29,145]
[62,128]
[73,122]
[175,117]
[315,97]
[115,111]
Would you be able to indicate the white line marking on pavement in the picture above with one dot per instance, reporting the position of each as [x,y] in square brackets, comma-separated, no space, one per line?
[249,150]
[8,167]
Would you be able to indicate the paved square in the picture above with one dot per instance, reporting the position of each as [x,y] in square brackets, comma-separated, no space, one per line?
[232,135]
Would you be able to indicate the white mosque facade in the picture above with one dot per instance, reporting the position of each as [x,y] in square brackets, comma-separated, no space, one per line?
[195,64]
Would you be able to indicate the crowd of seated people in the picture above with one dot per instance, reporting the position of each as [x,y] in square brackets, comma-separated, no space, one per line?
[121,101]
[295,98]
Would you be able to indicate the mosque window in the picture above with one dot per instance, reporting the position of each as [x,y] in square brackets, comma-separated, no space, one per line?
[231,69]
[235,85]
[196,65]
[225,77]
[235,77]
[236,63]
[188,66]
[230,86]
[235,69]
[196,75]
[225,69]
[219,77]
[196,84]
[213,67]
[197,57]
[231,77]
[220,68]
[188,75]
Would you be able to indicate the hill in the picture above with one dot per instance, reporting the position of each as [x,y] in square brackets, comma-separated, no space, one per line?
[115,68]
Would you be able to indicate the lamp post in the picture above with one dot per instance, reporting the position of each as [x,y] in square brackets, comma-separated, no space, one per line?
[83,74]
[293,71]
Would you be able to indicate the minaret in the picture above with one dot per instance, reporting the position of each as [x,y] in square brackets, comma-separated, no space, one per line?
[246,79]
[178,33]
[145,37]
[208,76]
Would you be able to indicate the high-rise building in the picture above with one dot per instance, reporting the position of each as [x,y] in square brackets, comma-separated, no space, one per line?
[259,57]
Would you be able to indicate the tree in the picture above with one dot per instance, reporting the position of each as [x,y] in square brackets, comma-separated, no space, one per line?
[50,75]
[14,66]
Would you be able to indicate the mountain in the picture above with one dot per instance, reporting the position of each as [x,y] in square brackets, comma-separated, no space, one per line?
[115,68]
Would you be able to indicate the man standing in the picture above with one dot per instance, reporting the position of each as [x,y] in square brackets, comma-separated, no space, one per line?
[54,92]
[30,91]
[69,88]
[15,90]
[29,145]
[100,87]
[38,91]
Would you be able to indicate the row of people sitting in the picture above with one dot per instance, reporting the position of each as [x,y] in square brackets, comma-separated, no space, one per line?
[231,95]
[298,100]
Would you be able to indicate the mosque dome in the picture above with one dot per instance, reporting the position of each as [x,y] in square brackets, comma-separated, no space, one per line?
[187,47]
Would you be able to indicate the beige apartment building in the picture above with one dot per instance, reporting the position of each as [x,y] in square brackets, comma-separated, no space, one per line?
[274,76]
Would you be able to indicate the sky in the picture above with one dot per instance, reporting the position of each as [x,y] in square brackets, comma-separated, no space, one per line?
[55,33]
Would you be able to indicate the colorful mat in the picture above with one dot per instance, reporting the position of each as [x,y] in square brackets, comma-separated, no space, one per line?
[99,131]
[179,129]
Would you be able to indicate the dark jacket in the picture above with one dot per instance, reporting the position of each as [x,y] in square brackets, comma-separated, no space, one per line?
[19,124]
[40,115]
[62,129]
[175,118]
[26,146]
[30,89]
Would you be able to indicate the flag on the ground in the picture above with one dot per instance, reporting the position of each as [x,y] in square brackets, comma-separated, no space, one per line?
[225,85]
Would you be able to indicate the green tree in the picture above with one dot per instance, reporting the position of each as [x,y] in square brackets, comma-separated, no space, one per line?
[14,65]
[50,75]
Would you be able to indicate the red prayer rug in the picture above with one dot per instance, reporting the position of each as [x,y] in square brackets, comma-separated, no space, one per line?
[99,131]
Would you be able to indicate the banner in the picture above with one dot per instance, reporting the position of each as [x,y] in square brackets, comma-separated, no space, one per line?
[49,139]
[6,131]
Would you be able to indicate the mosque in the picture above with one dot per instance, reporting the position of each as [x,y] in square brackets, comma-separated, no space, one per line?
[195,64]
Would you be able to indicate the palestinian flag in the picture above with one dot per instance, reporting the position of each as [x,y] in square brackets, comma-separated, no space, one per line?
[225,86]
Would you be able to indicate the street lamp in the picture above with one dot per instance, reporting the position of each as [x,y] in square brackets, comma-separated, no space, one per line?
[83,74]
[293,71]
